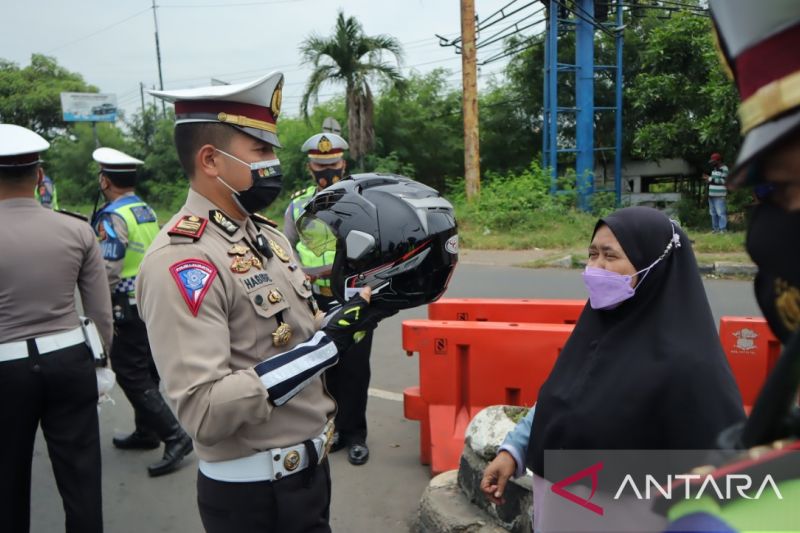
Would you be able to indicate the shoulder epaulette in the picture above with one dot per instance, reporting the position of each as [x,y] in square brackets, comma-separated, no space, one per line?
[189,226]
[261,219]
[72,214]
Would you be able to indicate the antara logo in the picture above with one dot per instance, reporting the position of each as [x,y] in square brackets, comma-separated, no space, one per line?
[722,487]
[592,471]
[687,486]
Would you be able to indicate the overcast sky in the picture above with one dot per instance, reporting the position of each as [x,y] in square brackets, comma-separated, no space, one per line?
[111,42]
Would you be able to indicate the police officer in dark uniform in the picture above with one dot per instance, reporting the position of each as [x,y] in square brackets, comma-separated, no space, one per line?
[758,43]
[47,371]
[126,226]
[348,382]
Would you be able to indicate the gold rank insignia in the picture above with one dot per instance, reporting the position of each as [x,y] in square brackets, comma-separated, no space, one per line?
[189,226]
[256,262]
[238,249]
[222,222]
[240,265]
[279,251]
[282,335]
[292,460]
[274,296]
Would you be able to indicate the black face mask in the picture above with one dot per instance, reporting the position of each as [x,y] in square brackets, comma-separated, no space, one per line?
[773,241]
[267,184]
[327,176]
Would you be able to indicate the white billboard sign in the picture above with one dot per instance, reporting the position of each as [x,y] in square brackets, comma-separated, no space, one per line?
[89,107]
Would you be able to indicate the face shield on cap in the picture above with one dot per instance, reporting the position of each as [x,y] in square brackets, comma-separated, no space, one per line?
[390,233]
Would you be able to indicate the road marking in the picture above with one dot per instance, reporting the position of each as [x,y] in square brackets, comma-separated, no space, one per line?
[385,394]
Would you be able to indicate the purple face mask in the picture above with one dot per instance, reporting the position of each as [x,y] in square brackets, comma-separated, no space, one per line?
[608,290]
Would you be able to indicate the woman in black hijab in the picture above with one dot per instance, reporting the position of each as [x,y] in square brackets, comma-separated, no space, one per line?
[644,367]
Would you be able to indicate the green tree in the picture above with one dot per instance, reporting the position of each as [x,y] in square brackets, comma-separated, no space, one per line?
[351,57]
[161,179]
[31,96]
[681,102]
[419,129]
[69,161]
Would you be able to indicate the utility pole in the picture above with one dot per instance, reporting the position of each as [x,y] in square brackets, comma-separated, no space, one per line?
[158,58]
[472,170]
[145,121]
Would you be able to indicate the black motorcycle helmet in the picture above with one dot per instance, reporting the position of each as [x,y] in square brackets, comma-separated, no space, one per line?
[390,233]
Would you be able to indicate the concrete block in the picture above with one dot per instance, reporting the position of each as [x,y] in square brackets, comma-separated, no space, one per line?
[445,509]
[728,268]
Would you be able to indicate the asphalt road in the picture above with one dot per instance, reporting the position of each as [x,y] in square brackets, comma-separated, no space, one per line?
[380,496]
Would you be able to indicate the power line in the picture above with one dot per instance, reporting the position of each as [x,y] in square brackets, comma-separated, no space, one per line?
[241,4]
[126,19]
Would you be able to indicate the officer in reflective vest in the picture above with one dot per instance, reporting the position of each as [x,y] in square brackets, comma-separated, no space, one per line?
[349,380]
[126,226]
[46,193]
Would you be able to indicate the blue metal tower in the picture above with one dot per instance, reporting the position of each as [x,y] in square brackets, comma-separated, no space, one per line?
[582,21]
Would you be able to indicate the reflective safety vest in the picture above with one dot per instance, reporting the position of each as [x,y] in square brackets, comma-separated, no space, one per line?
[142,230]
[46,193]
[307,257]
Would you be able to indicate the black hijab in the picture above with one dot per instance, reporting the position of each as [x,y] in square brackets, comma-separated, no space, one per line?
[650,374]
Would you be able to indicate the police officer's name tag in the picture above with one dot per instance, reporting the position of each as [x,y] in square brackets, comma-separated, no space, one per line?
[256,281]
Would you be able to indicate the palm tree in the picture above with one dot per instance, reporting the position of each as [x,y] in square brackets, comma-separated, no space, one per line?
[351,57]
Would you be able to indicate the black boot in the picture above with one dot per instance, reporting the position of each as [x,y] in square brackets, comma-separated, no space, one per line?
[138,440]
[174,452]
[159,417]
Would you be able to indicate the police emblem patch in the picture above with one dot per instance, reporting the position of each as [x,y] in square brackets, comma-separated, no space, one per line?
[143,214]
[193,277]
[324,145]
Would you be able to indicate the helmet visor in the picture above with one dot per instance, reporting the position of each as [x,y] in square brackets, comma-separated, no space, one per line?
[316,234]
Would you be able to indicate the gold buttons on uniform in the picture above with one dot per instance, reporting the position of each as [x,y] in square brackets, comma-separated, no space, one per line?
[274,296]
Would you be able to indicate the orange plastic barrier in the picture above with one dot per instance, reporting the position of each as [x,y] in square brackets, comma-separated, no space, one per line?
[752,352]
[495,352]
[507,310]
[466,366]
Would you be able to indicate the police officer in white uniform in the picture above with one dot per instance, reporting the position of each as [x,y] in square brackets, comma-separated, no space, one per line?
[234,329]
[47,372]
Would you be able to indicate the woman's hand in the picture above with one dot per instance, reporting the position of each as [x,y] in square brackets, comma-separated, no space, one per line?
[496,476]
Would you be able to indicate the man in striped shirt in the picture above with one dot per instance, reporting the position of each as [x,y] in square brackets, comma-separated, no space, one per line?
[717,193]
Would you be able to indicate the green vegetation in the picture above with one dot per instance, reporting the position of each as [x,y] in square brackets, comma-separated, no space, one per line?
[677,104]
